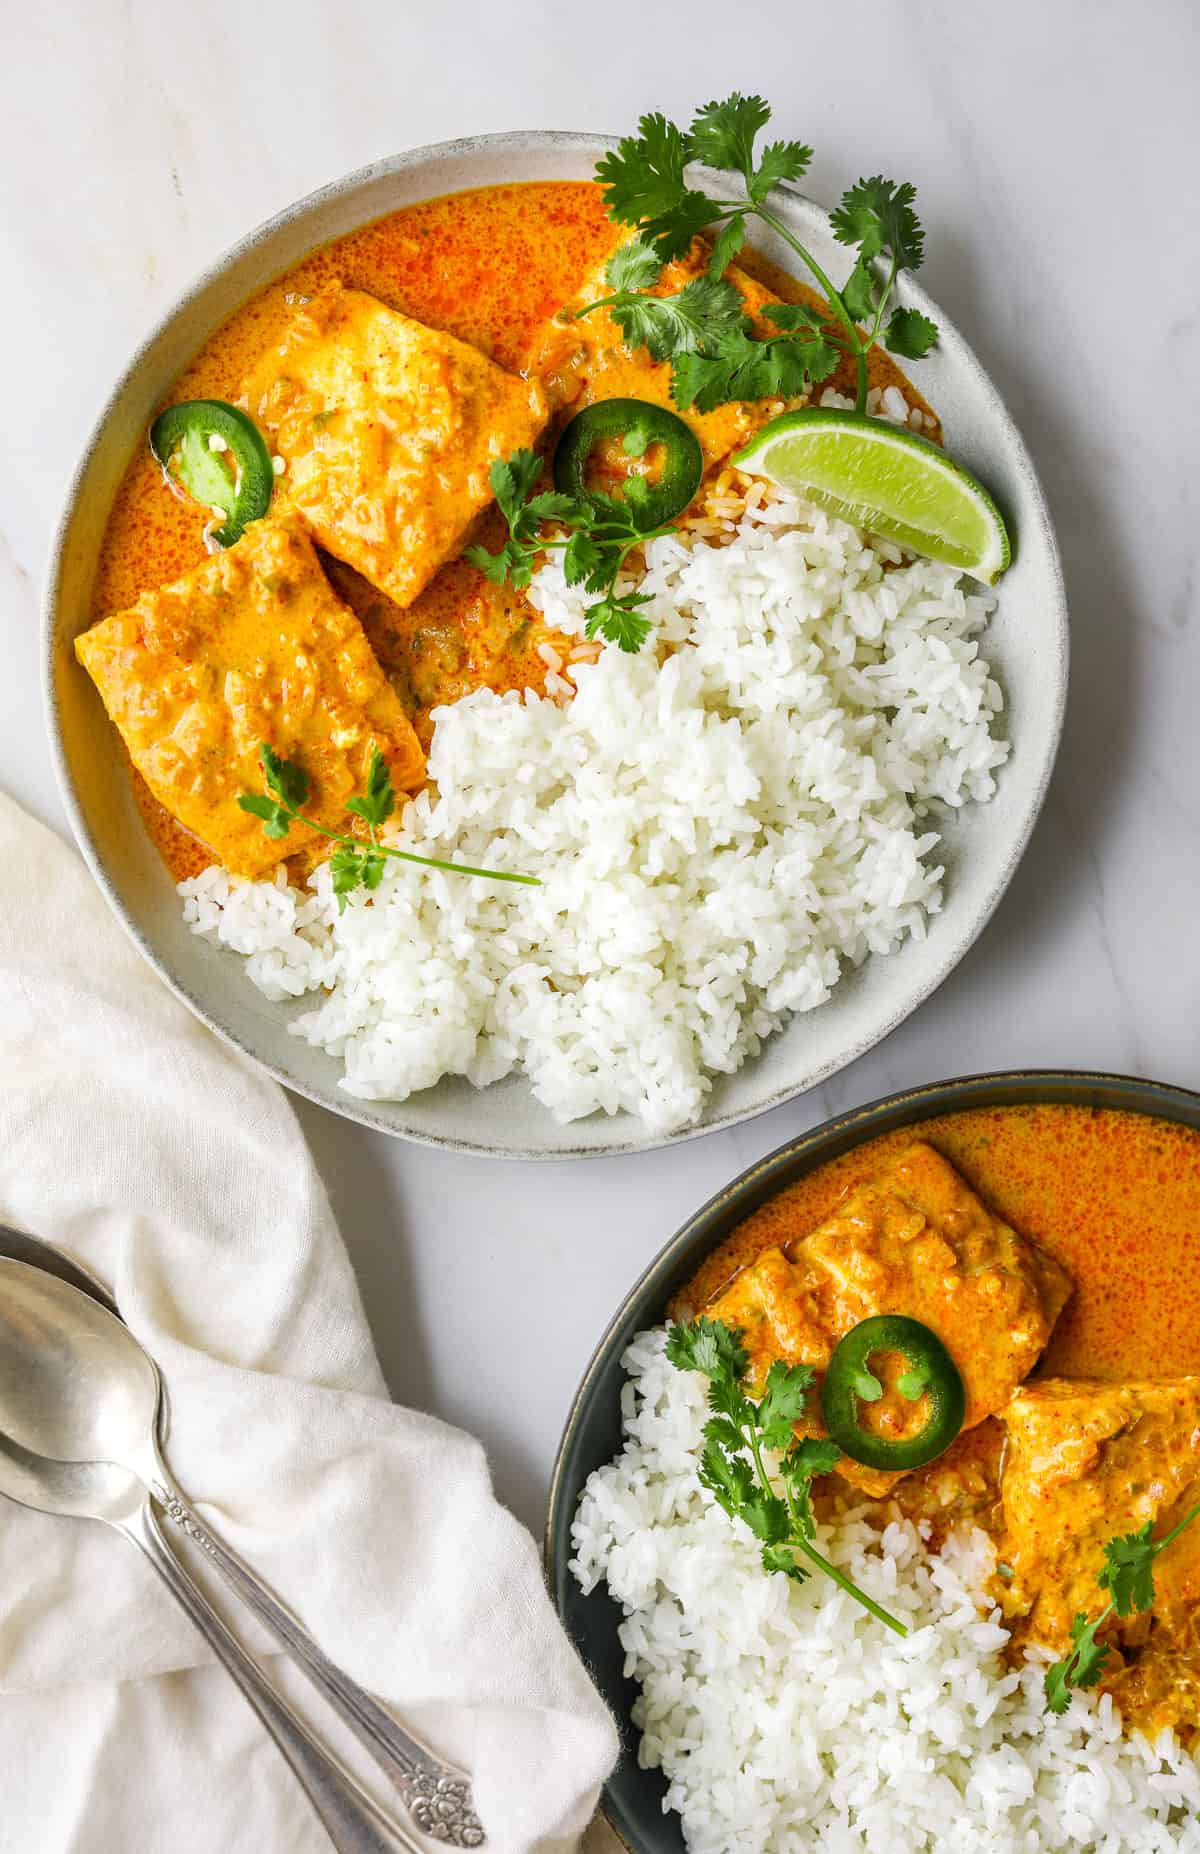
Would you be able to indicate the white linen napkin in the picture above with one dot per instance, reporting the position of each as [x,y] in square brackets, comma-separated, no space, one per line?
[163,1161]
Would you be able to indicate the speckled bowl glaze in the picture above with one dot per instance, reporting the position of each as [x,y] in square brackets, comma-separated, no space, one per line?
[633,1797]
[1027,642]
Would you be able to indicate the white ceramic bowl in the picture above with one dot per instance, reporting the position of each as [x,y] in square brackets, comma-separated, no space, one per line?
[1027,642]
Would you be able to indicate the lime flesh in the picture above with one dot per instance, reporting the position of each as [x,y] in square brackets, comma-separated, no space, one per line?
[881,477]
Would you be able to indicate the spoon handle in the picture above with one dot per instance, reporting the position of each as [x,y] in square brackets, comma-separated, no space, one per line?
[351,1820]
[437,1794]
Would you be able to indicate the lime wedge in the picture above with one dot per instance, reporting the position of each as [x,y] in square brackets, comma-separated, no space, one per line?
[881,477]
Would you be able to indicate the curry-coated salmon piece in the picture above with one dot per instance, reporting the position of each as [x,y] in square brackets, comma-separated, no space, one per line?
[1087,1462]
[252,645]
[579,362]
[914,1240]
[388,430]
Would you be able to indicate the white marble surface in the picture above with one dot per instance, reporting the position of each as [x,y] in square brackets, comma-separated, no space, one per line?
[1055,150]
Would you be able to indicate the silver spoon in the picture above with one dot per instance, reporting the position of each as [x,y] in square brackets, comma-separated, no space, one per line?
[76,1387]
[101,1490]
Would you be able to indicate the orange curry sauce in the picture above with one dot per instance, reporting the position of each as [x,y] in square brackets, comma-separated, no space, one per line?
[1114,1197]
[490,266]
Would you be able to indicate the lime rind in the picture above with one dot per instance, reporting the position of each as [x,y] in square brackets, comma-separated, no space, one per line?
[885,479]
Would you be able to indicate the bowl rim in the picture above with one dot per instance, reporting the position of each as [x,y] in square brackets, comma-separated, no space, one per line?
[364,1113]
[704,1229]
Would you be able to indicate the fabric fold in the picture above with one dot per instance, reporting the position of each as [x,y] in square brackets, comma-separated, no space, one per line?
[173,1169]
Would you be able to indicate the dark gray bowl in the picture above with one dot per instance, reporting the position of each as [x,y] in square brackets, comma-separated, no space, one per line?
[633,1798]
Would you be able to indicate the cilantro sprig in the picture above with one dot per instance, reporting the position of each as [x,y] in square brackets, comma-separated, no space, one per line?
[738,1436]
[703,328]
[354,863]
[600,533]
[1128,1575]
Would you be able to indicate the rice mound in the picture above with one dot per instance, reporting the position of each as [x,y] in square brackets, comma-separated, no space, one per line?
[784,1718]
[721,824]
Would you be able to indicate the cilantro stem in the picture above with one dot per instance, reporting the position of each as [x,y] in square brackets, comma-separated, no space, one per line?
[883,302]
[406,856]
[801,1543]
[857,347]
[851,1589]
[1168,1538]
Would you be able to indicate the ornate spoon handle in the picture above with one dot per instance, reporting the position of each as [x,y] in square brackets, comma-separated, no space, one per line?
[351,1820]
[437,1795]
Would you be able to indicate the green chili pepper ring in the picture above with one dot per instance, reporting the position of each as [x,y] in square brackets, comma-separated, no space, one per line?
[648,424]
[929,1364]
[180,436]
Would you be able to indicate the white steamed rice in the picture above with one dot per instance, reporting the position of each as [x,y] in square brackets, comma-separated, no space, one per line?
[785,1718]
[721,826]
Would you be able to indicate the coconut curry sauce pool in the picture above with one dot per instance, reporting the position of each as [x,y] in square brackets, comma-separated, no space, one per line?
[492,267]
[1104,1433]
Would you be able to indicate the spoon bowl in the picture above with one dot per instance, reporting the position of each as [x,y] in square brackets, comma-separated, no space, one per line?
[81,1408]
[68,1489]
[23,1247]
[75,1385]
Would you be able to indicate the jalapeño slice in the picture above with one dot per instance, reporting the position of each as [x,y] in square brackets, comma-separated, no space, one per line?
[639,424]
[233,474]
[929,1375]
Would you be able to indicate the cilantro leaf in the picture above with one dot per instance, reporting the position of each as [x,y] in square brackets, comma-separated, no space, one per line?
[727,243]
[585,562]
[794,317]
[737,366]
[725,1432]
[619,622]
[353,865]
[512,479]
[780,161]
[722,134]
[1082,1667]
[511,562]
[877,215]
[727,1398]
[858,292]
[276,821]
[672,233]
[378,802]
[782,1558]
[810,1456]
[679,324]
[1128,1573]
[708,1346]
[766,1515]
[551,505]
[643,176]
[785,1394]
[285,779]
[909,334]
[729,1477]
[634,265]
[806,1458]
[644,185]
